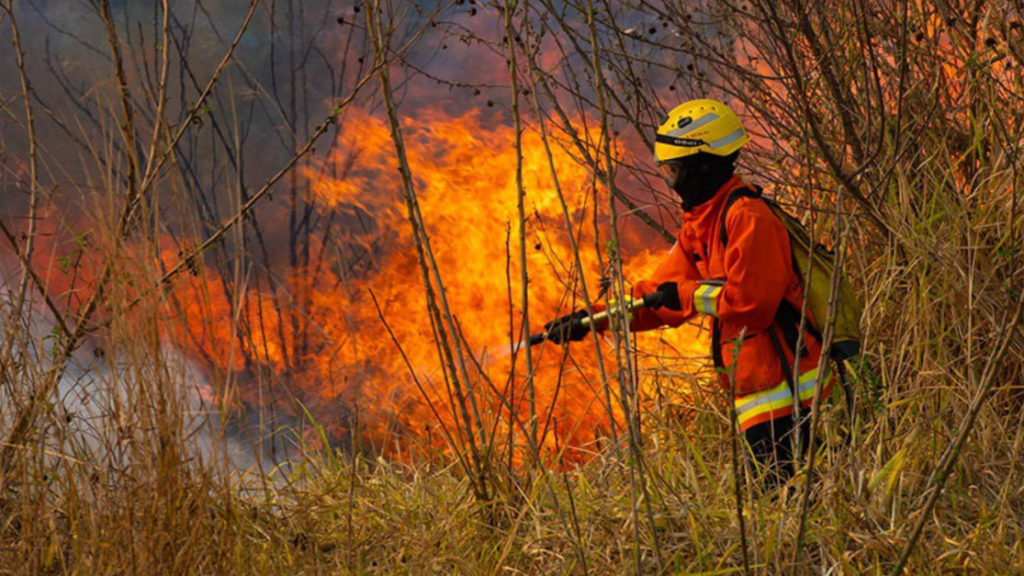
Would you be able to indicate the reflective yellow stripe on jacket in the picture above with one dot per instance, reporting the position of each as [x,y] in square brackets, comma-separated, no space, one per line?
[775,402]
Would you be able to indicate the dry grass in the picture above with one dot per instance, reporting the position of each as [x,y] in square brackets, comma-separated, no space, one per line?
[141,498]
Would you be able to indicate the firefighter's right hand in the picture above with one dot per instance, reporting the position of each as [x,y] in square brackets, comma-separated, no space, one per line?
[666,296]
[568,328]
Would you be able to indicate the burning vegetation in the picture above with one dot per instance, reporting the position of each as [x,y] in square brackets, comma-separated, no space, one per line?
[349,334]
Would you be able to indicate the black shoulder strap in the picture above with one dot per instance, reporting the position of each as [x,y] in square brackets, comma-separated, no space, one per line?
[745,192]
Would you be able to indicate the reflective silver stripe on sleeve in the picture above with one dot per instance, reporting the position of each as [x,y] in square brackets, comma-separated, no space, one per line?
[699,123]
[705,299]
[727,139]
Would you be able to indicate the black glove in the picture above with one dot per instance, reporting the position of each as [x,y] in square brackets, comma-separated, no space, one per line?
[666,296]
[568,328]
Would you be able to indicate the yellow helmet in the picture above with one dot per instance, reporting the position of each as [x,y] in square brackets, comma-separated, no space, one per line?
[699,126]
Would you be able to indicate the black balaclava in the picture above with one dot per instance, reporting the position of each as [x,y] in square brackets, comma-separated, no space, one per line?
[703,175]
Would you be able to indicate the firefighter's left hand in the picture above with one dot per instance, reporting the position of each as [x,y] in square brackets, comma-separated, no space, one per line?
[568,328]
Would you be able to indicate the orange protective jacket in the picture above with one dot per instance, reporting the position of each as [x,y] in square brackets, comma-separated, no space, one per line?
[756,266]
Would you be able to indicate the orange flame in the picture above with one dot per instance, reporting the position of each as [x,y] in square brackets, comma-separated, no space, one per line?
[332,345]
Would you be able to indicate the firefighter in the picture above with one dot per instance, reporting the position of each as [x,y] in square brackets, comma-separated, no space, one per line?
[739,272]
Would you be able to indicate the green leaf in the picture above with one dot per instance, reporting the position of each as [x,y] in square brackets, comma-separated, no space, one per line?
[889,473]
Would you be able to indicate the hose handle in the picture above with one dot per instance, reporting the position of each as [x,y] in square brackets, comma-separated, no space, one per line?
[652,300]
